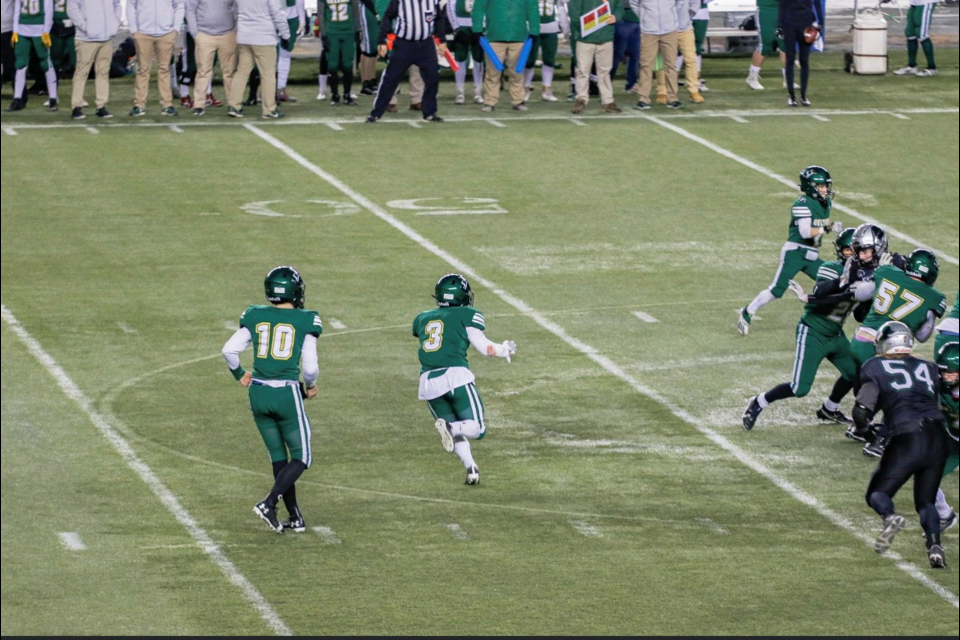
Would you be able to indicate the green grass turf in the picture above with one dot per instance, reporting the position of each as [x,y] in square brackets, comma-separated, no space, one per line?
[600,512]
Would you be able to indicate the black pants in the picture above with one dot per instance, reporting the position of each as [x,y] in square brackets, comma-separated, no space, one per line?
[408,53]
[921,455]
[6,52]
[793,44]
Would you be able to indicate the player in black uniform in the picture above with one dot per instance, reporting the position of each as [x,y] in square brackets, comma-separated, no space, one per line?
[907,390]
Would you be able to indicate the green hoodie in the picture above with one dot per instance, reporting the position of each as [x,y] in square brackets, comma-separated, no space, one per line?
[507,20]
[579,8]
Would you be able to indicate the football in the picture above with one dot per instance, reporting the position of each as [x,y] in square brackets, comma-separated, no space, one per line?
[811,34]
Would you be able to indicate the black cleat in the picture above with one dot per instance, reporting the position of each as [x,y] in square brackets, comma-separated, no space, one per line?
[372,120]
[434,118]
[892,525]
[854,435]
[833,416]
[752,413]
[269,515]
[874,449]
[368,90]
[294,524]
[938,559]
[78,114]
[17,105]
[103,114]
[349,102]
[335,102]
[53,105]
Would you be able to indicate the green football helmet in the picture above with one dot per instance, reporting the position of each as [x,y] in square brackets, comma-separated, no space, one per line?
[453,290]
[924,266]
[948,359]
[844,241]
[284,284]
[811,178]
[894,340]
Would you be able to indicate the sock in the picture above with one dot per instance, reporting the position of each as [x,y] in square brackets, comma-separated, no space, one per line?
[913,46]
[347,84]
[285,481]
[461,447]
[290,497]
[478,77]
[928,52]
[547,73]
[830,405]
[184,91]
[466,429]
[323,80]
[210,88]
[283,69]
[840,390]
[19,83]
[461,78]
[528,78]
[335,84]
[700,64]
[754,71]
[51,75]
[944,509]
[778,393]
[765,298]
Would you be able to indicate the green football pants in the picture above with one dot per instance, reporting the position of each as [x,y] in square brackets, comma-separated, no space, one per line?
[548,44]
[767,23]
[464,48]
[918,21]
[283,423]
[64,52]
[812,349]
[343,52]
[460,405]
[792,262]
[863,351]
[22,52]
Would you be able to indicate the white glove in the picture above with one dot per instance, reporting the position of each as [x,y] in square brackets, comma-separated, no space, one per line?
[847,268]
[797,290]
[837,227]
[886,260]
[507,349]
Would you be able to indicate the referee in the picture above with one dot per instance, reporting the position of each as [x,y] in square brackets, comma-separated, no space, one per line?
[415,23]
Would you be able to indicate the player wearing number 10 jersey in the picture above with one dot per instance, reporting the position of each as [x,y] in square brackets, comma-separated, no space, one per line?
[284,337]
[446,382]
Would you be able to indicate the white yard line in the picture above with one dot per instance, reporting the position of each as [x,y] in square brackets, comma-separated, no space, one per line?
[645,317]
[93,130]
[497,124]
[127,329]
[9,131]
[713,525]
[175,129]
[793,185]
[820,118]
[72,542]
[740,119]
[336,324]
[333,125]
[147,475]
[605,363]
[898,116]
[585,529]
[578,122]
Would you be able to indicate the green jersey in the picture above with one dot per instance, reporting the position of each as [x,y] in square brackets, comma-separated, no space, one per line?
[35,12]
[950,405]
[278,336]
[768,4]
[548,12]
[464,9]
[806,208]
[899,297]
[629,15]
[60,11]
[443,336]
[339,16]
[828,322]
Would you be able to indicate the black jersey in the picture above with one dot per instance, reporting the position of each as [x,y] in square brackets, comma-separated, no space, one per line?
[908,391]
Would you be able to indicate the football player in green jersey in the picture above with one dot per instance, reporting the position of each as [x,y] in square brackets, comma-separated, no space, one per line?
[284,338]
[949,330]
[32,24]
[340,21]
[809,223]
[466,47]
[548,43]
[446,382]
[820,337]
[948,360]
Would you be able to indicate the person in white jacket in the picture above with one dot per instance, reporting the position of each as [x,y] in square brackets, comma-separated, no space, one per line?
[97,22]
[155,25]
[213,26]
[261,26]
[687,40]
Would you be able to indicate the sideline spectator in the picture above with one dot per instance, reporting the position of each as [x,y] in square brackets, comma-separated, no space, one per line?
[687,59]
[769,42]
[795,17]
[507,25]
[213,26]
[97,23]
[626,46]
[155,25]
[261,26]
[594,48]
[658,29]
[918,35]
[547,43]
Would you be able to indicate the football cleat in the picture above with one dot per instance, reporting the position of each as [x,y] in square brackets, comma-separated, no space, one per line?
[321,96]
[460,99]
[804,102]
[854,435]
[17,105]
[798,291]
[52,105]
[926,73]
[350,102]
[892,525]
[792,103]
[754,83]
[186,103]
[446,438]
[743,322]
[906,71]
[294,523]
[949,523]
[211,101]
[473,477]
[478,99]
[874,449]
[938,559]
[752,413]
[833,416]
[269,515]
[549,97]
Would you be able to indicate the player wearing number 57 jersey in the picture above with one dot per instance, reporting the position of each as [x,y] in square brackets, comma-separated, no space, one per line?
[446,382]
[809,223]
[284,338]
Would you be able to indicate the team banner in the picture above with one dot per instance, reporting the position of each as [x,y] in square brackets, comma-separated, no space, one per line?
[595,20]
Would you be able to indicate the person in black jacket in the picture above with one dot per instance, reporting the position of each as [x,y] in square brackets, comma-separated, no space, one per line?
[796,16]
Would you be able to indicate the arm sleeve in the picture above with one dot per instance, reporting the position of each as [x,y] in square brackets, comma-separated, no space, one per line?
[179,12]
[865,291]
[190,6]
[479,341]
[869,395]
[386,21]
[309,362]
[236,345]
[924,332]
[47,15]
[440,23]
[805,225]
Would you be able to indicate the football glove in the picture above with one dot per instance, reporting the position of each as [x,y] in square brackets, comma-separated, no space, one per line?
[797,290]
[847,270]
[14,39]
[45,39]
[885,260]
[507,349]
[838,227]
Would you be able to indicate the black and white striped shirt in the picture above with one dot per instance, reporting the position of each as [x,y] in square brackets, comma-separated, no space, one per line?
[413,20]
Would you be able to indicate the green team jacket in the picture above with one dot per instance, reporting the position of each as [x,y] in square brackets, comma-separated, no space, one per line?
[507,20]
[578,8]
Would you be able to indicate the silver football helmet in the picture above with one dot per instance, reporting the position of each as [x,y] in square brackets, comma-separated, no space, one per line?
[894,340]
[870,236]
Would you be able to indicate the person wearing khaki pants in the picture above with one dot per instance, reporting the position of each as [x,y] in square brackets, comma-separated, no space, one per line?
[687,43]
[213,25]
[261,26]
[155,25]
[507,25]
[97,23]
[594,48]
[658,28]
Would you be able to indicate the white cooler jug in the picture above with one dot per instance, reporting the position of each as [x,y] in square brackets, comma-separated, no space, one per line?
[870,44]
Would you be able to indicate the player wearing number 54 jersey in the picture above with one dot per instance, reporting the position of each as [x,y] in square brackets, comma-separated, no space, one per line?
[284,337]
[446,382]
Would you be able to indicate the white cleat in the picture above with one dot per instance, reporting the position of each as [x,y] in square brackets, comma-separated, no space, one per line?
[906,71]
[446,439]
[321,96]
[797,290]
[473,477]
[743,322]
[549,97]
[459,99]
[926,73]
[754,83]
[478,99]
[891,527]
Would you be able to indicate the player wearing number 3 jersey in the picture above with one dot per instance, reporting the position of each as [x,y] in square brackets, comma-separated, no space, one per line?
[446,382]
[284,337]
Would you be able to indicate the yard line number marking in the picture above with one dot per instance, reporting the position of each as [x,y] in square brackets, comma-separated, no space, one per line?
[606,363]
[147,475]
[327,535]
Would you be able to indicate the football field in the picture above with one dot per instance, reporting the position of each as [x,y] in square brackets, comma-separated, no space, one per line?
[620,493]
